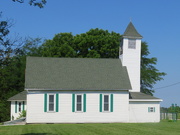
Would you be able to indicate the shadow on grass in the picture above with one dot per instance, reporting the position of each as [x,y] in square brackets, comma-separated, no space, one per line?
[38,134]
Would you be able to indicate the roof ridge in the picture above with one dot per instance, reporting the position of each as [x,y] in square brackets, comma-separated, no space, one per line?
[69,58]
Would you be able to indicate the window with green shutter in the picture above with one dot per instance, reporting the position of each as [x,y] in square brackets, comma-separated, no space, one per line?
[78,102]
[106,103]
[51,102]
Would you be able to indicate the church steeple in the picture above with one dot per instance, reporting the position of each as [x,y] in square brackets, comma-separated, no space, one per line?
[130,55]
[131,32]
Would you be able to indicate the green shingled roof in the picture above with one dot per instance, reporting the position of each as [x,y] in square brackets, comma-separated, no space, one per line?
[75,74]
[19,97]
[140,95]
[131,32]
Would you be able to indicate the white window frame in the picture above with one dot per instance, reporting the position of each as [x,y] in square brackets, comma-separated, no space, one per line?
[132,43]
[109,103]
[82,102]
[151,109]
[48,102]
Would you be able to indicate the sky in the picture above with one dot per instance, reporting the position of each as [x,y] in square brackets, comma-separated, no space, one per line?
[158,21]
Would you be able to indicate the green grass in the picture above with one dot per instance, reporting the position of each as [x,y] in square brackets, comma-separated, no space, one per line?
[162,128]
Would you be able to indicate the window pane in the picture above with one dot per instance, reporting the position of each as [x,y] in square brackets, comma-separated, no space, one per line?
[106,98]
[106,107]
[78,107]
[51,107]
[51,98]
[151,109]
[78,98]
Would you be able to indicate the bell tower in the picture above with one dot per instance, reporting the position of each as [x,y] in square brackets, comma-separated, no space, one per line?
[130,55]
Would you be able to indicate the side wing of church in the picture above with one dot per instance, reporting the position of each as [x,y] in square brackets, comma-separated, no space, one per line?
[88,90]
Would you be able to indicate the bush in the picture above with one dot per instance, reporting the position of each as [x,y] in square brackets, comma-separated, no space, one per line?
[22,114]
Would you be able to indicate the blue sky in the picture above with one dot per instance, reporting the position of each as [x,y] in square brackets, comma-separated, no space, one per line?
[158,21]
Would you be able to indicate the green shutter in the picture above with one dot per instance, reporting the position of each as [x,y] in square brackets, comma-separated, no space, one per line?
[57,102]
[111,102]
[45,102]
[154,109]
[15,106]
[23,105]
[73,102]
[100,103]
[148,109]
[84,103]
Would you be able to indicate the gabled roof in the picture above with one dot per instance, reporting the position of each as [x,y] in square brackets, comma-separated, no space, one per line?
[140,95]
[45,73]
[19,97]
[131,32]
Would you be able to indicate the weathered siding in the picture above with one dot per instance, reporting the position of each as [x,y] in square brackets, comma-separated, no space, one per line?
[36,114]
[138,111]
[15,109]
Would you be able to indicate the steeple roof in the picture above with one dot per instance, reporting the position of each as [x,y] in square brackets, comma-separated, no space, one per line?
[131,32]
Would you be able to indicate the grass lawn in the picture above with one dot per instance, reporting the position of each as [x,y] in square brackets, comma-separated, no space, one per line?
[162,128]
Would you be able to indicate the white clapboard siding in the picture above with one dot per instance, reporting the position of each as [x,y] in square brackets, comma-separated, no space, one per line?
[36,114]
[131,58]
[138,111]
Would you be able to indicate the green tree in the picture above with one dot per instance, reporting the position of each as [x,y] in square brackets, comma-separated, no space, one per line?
[149,73]
[60,46]
[98,43]
[11,73]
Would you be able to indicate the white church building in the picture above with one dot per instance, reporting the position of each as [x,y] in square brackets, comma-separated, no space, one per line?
[87,90]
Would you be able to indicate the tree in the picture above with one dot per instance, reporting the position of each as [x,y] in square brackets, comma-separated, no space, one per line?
[39,3]
[98,43]
[149,74]
[11,69]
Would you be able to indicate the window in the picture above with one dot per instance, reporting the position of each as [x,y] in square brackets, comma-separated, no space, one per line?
[19,106]
[106,102]
[51,103]
[151,109]
[79,103]
[132,44]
